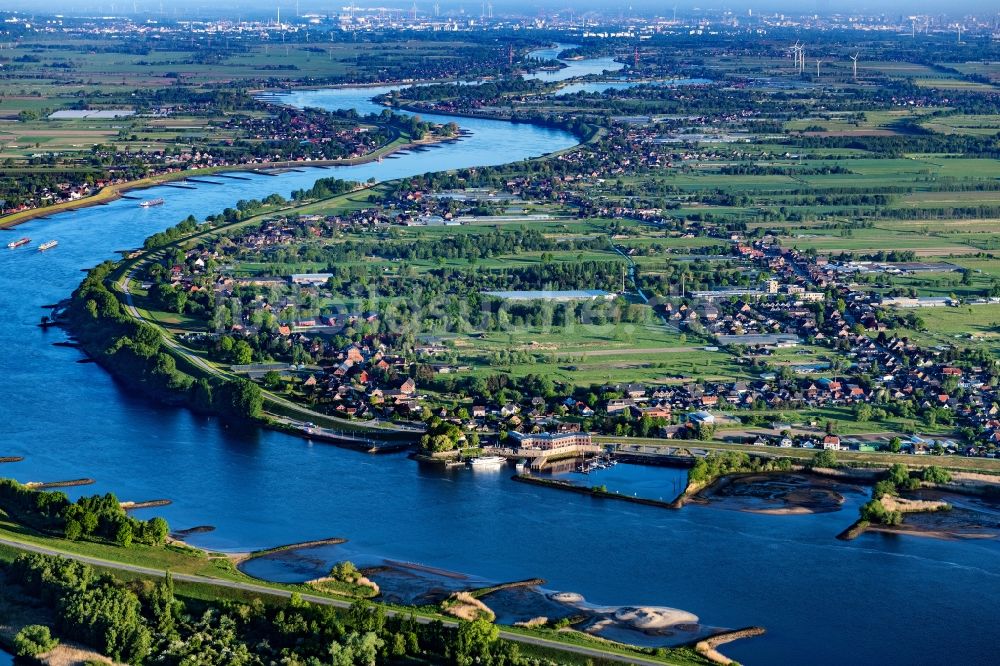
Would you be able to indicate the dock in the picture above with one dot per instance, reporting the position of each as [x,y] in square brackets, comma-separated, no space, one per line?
[366,444]
[540,458]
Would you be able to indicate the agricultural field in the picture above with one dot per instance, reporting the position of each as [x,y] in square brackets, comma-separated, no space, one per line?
[976,125]
[975,326]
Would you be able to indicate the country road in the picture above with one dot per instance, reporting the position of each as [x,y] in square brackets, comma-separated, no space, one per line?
[325,601]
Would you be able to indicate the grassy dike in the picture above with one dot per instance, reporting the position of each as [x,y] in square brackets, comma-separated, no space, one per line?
[191,364]
[205,577]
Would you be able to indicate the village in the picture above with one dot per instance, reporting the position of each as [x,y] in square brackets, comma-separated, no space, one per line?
[345,360]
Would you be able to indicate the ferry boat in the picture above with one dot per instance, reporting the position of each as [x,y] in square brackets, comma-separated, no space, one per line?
[47,245]
[487,462]
[149,203]
[18,243]
[521,466]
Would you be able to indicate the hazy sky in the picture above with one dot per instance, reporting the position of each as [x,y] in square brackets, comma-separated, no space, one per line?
[474,7]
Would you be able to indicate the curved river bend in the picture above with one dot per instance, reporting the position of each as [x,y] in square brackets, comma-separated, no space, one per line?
[935,599]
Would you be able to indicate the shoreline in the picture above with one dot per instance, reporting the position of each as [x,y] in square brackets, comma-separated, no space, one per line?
[110,193]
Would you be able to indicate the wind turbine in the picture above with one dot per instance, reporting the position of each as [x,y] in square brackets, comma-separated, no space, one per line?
[797,55]
[854,58]
[817,67]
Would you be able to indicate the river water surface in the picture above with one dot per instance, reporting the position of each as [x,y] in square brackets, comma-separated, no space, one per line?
[878,599]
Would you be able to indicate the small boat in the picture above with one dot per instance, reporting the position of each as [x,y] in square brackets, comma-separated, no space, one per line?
[487,462]
[47,245]
[18,243]
[149,203]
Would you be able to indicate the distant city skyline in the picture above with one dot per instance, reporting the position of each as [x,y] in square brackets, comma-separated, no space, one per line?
[474,9]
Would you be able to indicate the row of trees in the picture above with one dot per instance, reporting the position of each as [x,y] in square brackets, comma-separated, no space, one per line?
[146,622]
[133,350]
[99,517]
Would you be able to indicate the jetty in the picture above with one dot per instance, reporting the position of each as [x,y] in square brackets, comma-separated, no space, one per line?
[706,647]
[37,485]
[230,176]
[179,185]
[132,506]
[202,180]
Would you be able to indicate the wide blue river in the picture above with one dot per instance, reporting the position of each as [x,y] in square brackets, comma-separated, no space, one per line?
[824,602]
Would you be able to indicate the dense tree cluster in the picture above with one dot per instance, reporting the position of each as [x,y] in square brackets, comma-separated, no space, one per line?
[147,623]
[100,517]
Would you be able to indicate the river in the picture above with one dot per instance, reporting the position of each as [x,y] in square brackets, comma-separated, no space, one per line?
[878,599]
[574,68]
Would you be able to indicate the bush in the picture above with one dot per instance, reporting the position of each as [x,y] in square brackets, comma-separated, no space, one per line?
[875,512]
[899,476]
[825,459]
[935,474]
[33,640]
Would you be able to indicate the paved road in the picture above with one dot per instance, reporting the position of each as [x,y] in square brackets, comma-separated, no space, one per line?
[325,601]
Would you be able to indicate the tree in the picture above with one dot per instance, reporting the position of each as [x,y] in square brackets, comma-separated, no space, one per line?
[155,531]
[110,619]
[825,459]
[899,476]
[272,379]
[33,640]
[474,639]
[247,399]
[124,534]
[242,353]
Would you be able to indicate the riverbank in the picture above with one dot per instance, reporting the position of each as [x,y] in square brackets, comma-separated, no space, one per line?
[114,192]
[213,584]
